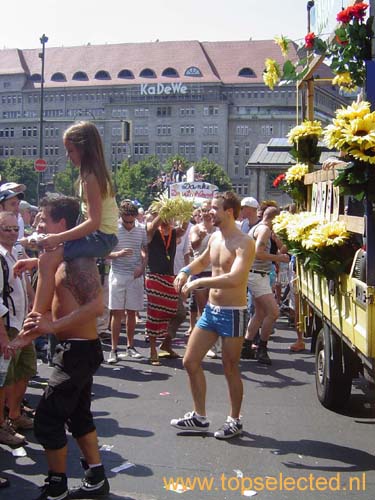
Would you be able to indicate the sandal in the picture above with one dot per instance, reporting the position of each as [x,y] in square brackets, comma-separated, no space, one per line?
[4,483]
[298,346]
[169,354]
[154,360]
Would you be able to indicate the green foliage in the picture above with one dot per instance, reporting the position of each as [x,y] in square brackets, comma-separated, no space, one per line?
[21,171]
[134,181]
[66,179]
[214,173]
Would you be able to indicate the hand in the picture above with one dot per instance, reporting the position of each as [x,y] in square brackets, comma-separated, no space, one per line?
[138,272]
[180,281]
[333,163]
[50,242]
[284,257]
[23,265]
[188,287]
[37,324]
[202,233]
[125,252]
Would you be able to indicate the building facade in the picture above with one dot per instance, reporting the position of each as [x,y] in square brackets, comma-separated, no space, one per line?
[195,99]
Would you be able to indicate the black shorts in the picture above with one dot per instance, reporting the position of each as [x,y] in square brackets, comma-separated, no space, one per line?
[67,399]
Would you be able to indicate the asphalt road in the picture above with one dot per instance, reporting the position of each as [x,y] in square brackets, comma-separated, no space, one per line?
[291,447]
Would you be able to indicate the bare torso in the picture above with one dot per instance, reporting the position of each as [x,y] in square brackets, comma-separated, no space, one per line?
[223,252]
[77,283]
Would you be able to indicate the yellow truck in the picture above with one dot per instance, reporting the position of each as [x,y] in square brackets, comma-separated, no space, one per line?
[340,316]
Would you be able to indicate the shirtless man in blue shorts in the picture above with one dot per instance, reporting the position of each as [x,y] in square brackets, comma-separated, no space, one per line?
[231,254]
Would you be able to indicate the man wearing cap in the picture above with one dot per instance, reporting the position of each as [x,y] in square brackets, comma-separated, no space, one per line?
[18,189]
[249,207]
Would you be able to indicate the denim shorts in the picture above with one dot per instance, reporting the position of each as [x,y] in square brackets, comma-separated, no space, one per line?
[96,244]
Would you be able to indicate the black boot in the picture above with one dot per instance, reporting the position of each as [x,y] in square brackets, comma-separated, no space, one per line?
[247,351]
[56,486]
[94,484]
[262,353]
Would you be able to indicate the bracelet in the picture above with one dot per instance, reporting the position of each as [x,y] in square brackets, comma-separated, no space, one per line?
[186,270]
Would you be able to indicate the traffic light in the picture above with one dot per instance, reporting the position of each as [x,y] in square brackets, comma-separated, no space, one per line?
[125,131]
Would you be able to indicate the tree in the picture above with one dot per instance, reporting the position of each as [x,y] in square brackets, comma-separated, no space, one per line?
[22,172]
[135,181]
[213,173]
[66,179]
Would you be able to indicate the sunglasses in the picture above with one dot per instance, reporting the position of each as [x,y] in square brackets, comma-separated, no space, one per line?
[8,229]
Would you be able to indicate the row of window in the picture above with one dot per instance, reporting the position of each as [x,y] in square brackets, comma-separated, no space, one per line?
[127,74]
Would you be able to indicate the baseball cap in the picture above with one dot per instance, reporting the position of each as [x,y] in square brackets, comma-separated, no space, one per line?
[12,186]
[7,195]
[25,205]
[249,202]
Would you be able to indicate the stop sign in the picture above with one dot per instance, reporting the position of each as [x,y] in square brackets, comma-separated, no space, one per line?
[40,165]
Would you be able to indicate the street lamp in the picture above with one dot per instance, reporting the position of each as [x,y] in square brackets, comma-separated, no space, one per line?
[43,41]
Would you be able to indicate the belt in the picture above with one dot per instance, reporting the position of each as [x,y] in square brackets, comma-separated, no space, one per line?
[263,273]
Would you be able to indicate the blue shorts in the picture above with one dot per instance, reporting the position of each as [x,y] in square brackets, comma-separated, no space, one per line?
[225,321]
[96,244]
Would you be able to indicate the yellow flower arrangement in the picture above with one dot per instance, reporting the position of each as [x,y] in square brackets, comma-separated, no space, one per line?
[344,81]
[271,74]
[170,209]
[296,172]
[305,129]
[326,235]
[283,43]
[300,226]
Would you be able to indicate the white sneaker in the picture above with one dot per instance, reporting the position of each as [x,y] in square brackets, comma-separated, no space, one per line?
[212,353]
[133,353]
[112,358]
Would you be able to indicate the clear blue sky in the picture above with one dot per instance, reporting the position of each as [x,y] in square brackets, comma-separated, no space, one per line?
[78,22]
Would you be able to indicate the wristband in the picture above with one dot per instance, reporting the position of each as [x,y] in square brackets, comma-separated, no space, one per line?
[186,270]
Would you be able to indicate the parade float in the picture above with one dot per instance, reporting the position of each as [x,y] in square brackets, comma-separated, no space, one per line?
[333,233]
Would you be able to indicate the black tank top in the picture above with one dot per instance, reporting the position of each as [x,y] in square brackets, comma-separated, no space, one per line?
[158,261]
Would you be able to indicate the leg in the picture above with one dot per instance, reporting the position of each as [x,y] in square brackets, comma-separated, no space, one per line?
[89,448]
[56,460]
[231,351]
[115,327]
[270,309]
[14,395]
[200,342]
[48,264]
[130,326]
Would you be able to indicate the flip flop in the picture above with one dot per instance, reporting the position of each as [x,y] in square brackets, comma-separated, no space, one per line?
[297,347]
[154,361]
[168,354]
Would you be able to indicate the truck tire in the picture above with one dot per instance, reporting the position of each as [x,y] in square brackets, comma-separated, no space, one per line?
[333,384]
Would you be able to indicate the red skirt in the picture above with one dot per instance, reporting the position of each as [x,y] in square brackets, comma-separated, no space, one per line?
[162,303]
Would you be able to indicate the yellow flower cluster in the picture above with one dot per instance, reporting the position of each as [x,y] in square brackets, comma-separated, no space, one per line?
[307,128]
[283,42]
[353,132]
[170,209]
[326,235]
[296,173]
[344,81]
[271,74]
[309,230]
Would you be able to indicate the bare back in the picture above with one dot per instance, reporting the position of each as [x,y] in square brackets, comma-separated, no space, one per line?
[231,254]
[77,284]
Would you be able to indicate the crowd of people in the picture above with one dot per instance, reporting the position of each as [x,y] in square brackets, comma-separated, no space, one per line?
[219,267]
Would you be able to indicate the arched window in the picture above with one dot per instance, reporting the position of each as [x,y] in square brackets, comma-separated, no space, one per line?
[125,73]
[36,78]
[102,75]
[246,72]
[80,75]
[193,71]
[147,73]
[58,77]
[170,72]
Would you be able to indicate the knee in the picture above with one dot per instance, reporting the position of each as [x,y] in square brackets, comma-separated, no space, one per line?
[190,364]
[49,431]
[230,367]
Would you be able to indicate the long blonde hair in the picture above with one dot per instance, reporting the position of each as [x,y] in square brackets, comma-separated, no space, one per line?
[86,138]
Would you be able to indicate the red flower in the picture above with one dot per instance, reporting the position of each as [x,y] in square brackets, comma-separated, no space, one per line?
[358,11]
[343,16]
[309,40]
[341,42]
[278,179]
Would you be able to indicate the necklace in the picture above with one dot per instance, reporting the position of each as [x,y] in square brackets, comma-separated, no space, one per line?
[167,243]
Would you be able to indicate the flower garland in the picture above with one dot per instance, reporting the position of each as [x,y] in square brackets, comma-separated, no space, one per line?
[346,53]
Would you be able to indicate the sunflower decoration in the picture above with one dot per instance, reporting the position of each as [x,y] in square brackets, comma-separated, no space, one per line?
[283,43]
[271,74]
[292,182]
[329,234]
[304,139]
[353,133]
[344,81]
[170,209]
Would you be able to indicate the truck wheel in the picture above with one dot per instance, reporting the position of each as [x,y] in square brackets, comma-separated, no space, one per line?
[333,385]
